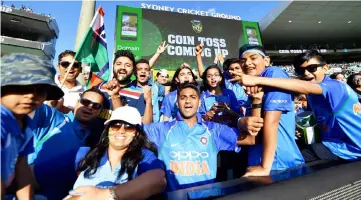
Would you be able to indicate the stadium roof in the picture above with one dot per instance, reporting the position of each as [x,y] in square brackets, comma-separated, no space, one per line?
[312,22]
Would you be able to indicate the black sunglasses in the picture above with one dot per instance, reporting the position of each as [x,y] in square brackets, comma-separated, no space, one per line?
[66,64]
[87,102]
[116,126]
[310,68]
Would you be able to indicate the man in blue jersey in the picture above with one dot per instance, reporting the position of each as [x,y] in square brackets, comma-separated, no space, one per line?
[278,150]
[189,146]
[334,104]
[57,138]
[26,82]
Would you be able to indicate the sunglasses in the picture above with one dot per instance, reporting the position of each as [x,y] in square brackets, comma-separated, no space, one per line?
[87,102]
[127,127]
[356,79]
[66,64]
[310,68]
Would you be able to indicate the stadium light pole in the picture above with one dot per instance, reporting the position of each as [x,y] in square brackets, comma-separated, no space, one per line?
[87,12]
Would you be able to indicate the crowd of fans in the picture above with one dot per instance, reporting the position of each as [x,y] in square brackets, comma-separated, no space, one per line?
[136,139]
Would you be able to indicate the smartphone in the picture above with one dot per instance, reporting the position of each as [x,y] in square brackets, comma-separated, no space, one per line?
[129,29]
[252,35]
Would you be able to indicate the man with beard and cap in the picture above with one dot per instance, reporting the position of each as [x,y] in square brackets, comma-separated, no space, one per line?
[57,138]
[334,104]
[26,82]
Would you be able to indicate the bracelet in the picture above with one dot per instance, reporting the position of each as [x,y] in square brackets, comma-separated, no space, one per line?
[256,105]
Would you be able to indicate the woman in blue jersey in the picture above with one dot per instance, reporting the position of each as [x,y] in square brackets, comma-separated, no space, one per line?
[218,103]
[183,74]
[123,154]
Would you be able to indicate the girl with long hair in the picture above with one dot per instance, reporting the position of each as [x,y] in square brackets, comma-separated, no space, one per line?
[218,103]
[123,155]
[183,74]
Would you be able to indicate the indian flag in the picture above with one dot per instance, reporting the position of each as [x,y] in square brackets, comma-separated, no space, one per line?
[93,50]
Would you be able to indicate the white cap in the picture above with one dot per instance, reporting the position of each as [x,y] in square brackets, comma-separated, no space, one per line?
[163,72]
[127,114]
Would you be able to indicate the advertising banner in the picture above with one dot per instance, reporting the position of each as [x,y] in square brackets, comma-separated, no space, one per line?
[142,30]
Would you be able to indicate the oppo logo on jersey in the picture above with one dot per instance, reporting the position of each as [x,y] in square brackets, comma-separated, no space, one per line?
[357,108]
[183,165]
[188,155]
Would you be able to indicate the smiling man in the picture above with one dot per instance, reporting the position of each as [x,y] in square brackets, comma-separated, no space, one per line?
[72,88]
[57,138]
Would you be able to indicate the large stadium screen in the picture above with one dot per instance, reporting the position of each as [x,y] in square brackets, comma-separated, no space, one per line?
[142,30]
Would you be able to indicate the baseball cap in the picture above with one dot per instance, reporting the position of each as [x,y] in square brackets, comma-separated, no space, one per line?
[20,69]
[127,114]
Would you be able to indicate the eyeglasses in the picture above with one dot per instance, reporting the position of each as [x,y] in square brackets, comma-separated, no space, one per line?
[213,75]
[87,102]
[357,79]
[310,68]
[66,64]
[127,127]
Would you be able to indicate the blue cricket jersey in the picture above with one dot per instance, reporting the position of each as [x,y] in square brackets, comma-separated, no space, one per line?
[190,153]
[104,177]
[228,97]
[14,143]
[287,153]
[338,113]
[169,107]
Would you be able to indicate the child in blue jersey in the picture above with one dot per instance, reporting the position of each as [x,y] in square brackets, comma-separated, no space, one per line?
[278,150]
[123,155]
[189,146]
[26,82]
[169,109]
[218,104]
[334,104]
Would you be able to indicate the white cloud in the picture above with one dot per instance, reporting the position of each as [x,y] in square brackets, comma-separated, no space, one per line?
[212,10]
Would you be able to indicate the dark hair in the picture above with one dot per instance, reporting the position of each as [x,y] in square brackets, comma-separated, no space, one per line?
[306,56]
[142,61]
[158,73]
[124,53]
[334,75]
[249,47]
[205,81]
[65,53]
[95,90]
[350,80]
[188,85]
[174,84]
[130,159]
[227,63]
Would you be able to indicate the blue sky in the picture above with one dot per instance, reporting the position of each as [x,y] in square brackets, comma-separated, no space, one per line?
[67,13]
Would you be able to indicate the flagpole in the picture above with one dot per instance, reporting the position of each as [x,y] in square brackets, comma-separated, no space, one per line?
[67,73]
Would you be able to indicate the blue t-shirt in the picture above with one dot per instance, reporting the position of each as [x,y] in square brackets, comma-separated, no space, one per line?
[104,177]
[14,143]
[190,153]
[169,106]
[242,97]
[57,138]
[338,114]
[228,97]
[287,153]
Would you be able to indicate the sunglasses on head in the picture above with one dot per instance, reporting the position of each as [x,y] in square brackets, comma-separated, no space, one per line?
[310,68]
[87,102]
[66,64]
[127,127]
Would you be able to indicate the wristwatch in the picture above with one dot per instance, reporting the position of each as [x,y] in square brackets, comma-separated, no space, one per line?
[112,195]
[256,105]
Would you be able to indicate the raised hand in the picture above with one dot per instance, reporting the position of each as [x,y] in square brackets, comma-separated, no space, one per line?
[113,87]
[147,91]
[162,47]
[199,49]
